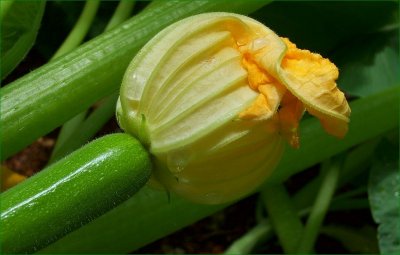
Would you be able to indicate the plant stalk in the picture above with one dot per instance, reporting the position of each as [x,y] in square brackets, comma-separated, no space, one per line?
[70,129]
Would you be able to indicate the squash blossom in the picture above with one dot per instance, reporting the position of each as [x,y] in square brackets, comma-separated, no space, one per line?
[216,96]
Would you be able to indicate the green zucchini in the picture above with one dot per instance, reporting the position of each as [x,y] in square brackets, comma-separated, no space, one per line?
[52,94]
[72,192]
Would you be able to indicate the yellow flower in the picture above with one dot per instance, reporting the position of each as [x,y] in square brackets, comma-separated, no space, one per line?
[215,96]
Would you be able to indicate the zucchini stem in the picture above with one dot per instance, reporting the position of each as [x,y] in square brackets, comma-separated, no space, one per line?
[122,13]
[80,134]
[70,138]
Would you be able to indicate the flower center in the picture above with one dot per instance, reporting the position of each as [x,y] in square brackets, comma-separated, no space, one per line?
[274,102]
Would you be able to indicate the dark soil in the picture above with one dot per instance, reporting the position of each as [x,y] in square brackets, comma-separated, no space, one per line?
[33,158]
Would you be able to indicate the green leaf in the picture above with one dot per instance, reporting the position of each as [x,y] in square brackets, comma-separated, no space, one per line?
[52,33]
[356,36]
[369,64]
[322,26]
[384,193]
[19,28]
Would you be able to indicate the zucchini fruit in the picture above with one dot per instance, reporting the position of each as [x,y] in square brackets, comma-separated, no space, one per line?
[72,192]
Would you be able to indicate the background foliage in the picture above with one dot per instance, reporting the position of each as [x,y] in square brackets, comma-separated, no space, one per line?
[362,39]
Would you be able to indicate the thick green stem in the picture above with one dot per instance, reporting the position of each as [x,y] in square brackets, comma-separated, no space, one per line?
[283,216]
[86,128]
[72,192]
[67,140]
[65,134]
[122,13]
[73,40]
[80,29]
[330,170]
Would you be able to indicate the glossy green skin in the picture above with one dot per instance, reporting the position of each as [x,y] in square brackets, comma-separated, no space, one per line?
[72,192]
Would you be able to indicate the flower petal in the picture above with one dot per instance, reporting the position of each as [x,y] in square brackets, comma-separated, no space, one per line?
[311,78]
[290,114]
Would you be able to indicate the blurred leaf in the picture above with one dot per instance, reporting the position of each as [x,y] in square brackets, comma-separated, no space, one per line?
[351,33]
[370,64]
[19,28]
[384,193]
[321,26]
[103,16]
[52,34]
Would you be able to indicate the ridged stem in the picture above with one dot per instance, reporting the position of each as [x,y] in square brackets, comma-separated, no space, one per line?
[70,137]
